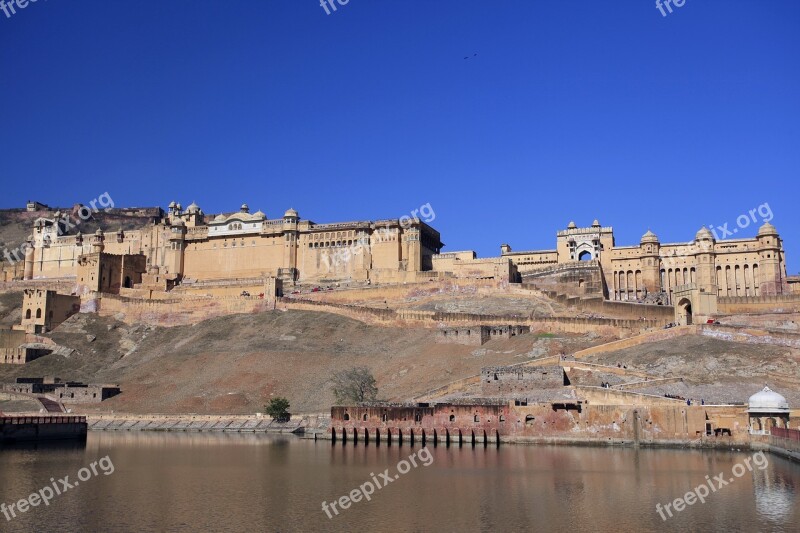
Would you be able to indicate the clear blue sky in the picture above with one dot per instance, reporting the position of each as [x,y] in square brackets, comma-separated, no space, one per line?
[570,110]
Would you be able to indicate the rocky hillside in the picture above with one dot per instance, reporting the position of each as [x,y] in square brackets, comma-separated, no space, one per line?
[233,364]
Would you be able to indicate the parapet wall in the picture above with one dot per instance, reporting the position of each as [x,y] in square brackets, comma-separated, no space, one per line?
[573,279]
[430,319]
[633,311]
[180,312]
[750,335]
[778,303]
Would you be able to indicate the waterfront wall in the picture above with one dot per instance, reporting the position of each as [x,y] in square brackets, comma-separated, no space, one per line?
[785,442]
[206,423]
[36,428]
[568,421]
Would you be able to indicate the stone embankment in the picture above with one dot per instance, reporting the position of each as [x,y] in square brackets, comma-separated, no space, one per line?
[298,424]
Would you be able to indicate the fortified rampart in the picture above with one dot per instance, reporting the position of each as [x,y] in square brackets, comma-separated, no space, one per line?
[609,326]
[775,303]
[178,312]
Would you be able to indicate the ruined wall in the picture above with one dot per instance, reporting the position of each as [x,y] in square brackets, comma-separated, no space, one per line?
[10,351]
[468,335]
[44,310]
[519,381]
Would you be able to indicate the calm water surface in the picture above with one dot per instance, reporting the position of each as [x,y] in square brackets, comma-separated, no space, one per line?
[220,482]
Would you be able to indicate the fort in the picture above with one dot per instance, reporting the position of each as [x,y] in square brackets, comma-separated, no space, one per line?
[185,251]
[544,308]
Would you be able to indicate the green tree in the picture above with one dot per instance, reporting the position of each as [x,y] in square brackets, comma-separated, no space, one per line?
[278,408]
[354,385]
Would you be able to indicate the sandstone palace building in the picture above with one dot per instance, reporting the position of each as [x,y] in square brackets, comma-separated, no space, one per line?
[188,246]
[734,267]
[181,249]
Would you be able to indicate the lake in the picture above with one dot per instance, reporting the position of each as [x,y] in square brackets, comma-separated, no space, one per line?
[241,482]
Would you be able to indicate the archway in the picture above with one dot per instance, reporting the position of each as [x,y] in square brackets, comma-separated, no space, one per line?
[128,284]
[585,256]
[685,312]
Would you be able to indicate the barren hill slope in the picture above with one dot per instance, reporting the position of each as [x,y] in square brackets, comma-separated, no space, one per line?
[713,369]
[233,364]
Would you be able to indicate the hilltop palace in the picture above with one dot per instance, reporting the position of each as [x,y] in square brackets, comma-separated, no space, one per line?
[187,248]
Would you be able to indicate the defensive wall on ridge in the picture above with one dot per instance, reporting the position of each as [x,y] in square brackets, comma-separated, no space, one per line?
[776,303]
[404,317]
[178,312]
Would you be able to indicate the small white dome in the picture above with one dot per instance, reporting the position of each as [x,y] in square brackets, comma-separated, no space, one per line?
[767,401]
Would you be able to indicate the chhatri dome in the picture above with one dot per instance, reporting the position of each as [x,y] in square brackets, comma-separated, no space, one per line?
[649,237]
[703,234]
[767,229]
[291,213]
[767,401]
[571,225]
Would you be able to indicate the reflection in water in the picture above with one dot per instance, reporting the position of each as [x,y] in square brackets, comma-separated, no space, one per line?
[776,493]
[224,482]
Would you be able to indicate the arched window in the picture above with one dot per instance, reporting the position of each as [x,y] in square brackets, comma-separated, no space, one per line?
[28,314]
[39,313]
[346,416]
[452,418]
